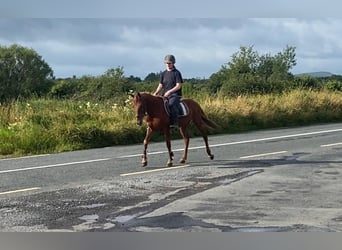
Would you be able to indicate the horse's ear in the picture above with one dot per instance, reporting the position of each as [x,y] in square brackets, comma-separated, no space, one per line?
[131,94]
[134,94]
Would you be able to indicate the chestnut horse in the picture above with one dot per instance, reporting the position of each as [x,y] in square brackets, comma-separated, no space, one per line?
[157,119]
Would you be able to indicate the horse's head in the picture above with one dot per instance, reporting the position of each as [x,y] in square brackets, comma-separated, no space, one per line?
[139,107]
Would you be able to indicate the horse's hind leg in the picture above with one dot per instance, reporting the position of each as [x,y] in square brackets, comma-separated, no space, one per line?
[205,138]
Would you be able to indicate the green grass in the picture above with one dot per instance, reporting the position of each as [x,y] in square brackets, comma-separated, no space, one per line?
[42,125]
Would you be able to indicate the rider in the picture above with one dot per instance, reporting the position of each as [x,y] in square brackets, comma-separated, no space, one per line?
[171,83]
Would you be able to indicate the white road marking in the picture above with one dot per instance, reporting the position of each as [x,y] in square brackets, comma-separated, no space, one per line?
[266,154]
[51,166]
[19,190]
[23,157]
[240,142]
[154,170]
[331,145]
[136,155]
[175,150]
[274,138]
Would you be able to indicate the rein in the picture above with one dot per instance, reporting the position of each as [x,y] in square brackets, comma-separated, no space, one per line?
[147,103]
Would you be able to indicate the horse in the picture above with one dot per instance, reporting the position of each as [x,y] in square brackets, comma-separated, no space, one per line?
[157,119]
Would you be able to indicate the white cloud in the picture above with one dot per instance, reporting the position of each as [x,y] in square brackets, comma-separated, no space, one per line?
[201,46]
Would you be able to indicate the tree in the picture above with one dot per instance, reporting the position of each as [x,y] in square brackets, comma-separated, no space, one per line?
[109,85]
[114,82]
[134,79]
[152,77]
[244,62]
[283,62]
[66,88]
[249,72]
[22,73]
[115,73]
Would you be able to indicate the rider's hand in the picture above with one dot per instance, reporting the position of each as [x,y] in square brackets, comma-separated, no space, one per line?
[167,93]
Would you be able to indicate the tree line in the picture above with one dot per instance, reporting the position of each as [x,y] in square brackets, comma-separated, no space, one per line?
[25,74]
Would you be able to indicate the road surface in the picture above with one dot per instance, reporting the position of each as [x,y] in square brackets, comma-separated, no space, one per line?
[272,180]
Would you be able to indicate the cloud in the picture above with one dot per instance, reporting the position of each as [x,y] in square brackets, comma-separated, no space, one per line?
[174,9]
[90,46]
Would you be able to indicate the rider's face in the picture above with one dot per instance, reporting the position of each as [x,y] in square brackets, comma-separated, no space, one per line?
[169,66]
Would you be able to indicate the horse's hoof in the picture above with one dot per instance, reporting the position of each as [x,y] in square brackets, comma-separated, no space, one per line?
[144,164]
[182,161]
[211,157]
[169,164]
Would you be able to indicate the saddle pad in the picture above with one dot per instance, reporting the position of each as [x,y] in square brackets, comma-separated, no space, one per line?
[183,111]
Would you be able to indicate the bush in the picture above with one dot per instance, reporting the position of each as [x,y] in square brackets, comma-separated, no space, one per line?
[333,85]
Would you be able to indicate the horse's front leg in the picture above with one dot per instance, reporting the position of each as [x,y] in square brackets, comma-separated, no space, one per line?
[185,136]
[168,145]
[146,141]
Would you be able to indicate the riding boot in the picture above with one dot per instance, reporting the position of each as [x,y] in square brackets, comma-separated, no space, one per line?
[174,117]
[173,104]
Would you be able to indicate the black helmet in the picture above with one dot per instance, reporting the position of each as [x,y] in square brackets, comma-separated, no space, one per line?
[170,59]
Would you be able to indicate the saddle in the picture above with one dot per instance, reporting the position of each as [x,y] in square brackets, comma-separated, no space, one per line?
[183,108]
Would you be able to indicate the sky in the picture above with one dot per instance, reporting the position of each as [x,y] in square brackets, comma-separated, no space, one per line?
[93,41]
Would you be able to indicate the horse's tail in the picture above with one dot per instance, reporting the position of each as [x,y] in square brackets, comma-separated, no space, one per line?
[206,120]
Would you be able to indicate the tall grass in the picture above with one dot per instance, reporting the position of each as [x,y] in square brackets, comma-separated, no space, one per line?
[296,107]
[47,126]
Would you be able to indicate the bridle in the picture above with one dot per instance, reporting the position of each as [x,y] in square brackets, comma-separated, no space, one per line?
[141,110]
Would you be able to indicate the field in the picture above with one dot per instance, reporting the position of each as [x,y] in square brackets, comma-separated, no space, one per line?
[43,125]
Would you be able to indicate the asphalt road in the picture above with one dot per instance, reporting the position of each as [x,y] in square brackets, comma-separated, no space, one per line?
[272,180]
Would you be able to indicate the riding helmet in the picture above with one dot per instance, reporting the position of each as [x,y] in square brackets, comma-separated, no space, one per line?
[170,59]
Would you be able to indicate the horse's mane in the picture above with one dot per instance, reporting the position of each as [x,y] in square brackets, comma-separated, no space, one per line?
[149,95]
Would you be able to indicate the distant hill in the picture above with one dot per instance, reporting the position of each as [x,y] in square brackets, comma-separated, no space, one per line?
[317,74]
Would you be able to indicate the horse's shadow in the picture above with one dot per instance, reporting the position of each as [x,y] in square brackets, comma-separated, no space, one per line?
[263,163]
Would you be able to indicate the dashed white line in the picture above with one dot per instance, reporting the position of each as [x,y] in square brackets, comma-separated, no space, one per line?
[331,145]
[154,170]
[266,154]
[19,190]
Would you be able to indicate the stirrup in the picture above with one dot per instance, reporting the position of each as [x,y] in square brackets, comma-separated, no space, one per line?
[174,126]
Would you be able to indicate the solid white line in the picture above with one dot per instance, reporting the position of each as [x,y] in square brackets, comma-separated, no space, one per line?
[20,190]
[162,152]
[23,157]
[241,142]
[278,137]
[154,170]
[331,145]
[135,155]
[51,166]
[266,154]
